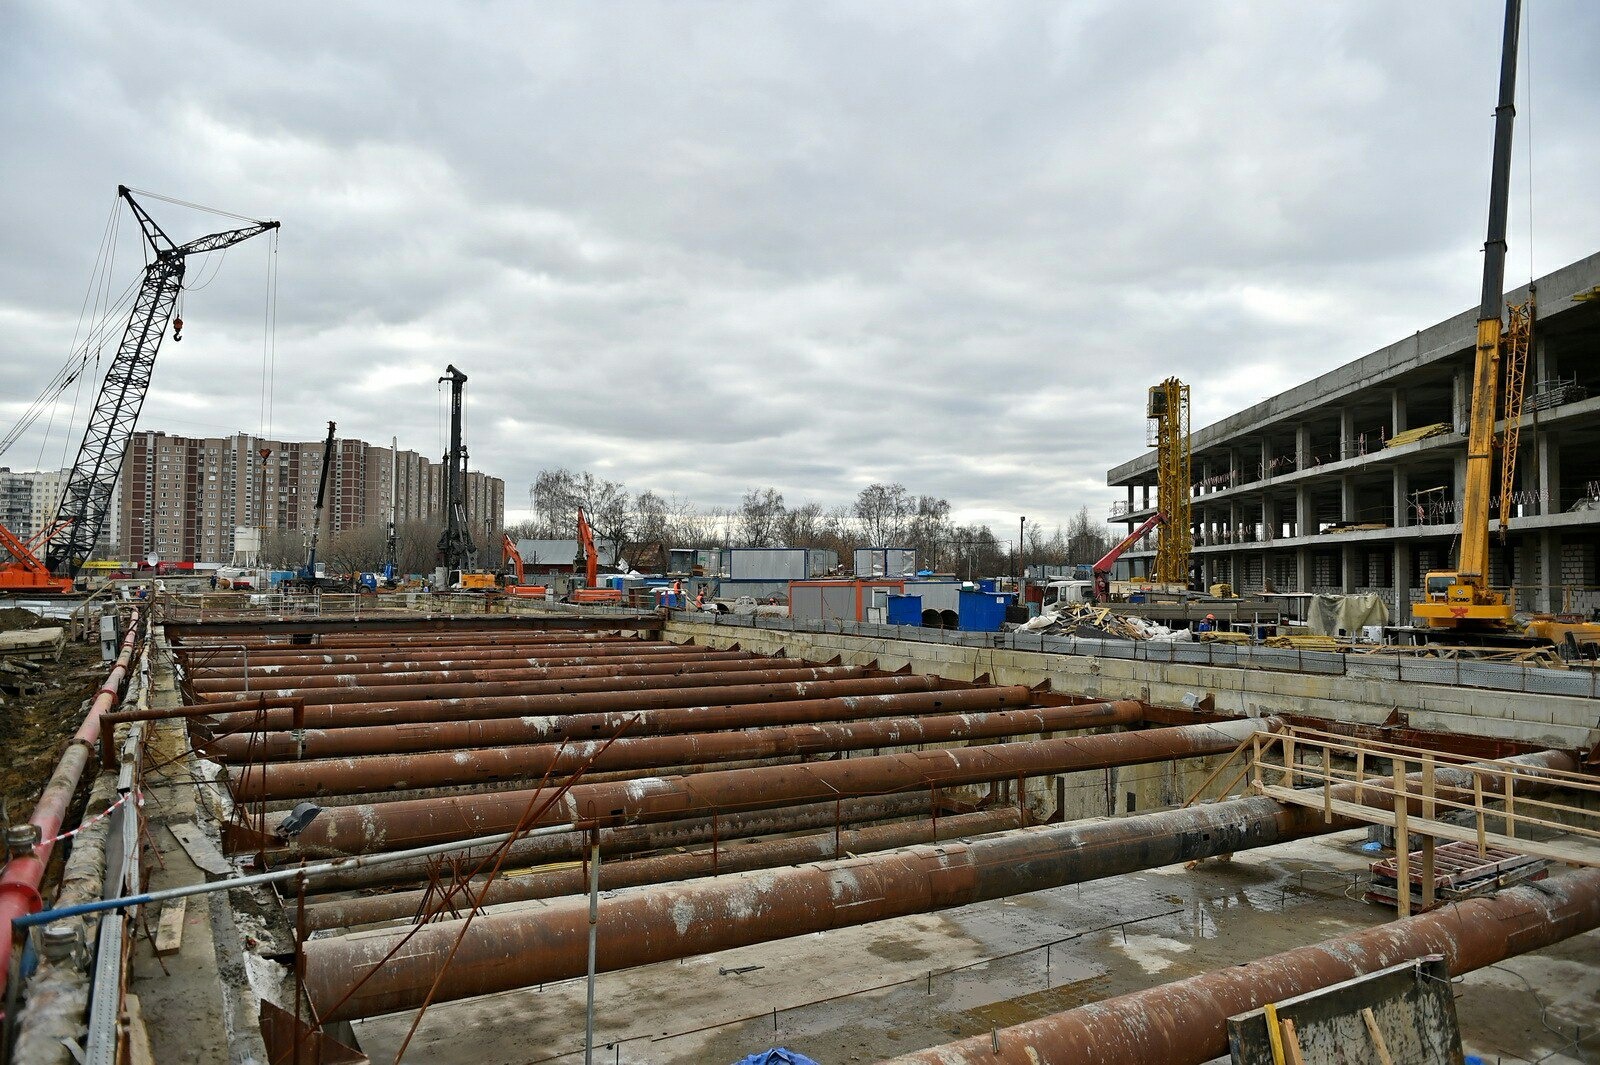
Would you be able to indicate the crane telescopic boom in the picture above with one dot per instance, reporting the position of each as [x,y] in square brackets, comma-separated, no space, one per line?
[1461,598]
[86,499]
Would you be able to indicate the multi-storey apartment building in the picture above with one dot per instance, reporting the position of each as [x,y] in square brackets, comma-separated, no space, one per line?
[1311,490]
[30,500]
[183,498]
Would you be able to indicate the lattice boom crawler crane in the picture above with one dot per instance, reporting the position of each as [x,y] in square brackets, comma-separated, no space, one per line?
[86,498]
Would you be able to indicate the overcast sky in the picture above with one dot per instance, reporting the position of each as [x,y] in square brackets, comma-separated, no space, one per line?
[703,247]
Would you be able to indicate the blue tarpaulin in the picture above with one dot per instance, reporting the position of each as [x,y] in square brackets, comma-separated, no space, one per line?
[776,1056]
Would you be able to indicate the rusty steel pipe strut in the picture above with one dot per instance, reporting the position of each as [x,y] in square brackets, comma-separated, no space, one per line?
[753,689]
[1186,1022]
[277,781]
[505,731]
[519,948]
[548,656]
[404,671]
[668,835]
[406,823]
[484,637]
[492,685]
[663,868]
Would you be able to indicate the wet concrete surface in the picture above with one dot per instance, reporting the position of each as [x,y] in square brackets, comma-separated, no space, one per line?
[881,1000]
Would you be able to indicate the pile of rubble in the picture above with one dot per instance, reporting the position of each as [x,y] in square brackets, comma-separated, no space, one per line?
[1090,622]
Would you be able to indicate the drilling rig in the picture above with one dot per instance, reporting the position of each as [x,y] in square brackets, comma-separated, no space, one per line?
[1167,411]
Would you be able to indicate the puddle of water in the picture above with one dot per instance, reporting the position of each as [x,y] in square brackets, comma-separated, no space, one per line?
[1151,953]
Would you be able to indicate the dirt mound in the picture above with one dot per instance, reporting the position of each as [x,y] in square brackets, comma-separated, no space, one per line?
[35,729]
[16,618]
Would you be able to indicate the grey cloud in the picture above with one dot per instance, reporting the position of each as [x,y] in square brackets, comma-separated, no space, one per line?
[709,246]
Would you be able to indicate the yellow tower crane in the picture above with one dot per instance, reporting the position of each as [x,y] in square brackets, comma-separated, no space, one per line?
[1168,430]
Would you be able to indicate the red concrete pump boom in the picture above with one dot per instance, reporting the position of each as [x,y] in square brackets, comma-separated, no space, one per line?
[1102,569]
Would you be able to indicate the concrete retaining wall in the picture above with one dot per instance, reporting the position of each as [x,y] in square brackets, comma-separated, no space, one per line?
[1561,721]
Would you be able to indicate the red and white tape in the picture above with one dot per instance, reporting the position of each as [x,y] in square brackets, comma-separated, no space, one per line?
[136,796]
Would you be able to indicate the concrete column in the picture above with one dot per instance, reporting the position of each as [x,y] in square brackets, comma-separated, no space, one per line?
[1549,457]
[1266,458]
[1460,397]
[1144,497]
[1458,479]
[1401,502]
[1233,521]
[1347,569]
[1397,412]
[1302,446]
[1269,522]
[1401,577]
[1130,498]
[1548,597]
[1347,432]
[1347,498]
[1305,511]
[1544,365]
[1302,568]
[1236,471]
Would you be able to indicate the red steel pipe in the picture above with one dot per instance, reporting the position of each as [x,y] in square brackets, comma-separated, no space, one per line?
[484,637]
[1186,1022]
[663,868]
[754,690]
[636,839]
[505,731]
[471,686]
[416,822]
[532,668]
[562,655]
[277,781]
[518,948]
[22,875]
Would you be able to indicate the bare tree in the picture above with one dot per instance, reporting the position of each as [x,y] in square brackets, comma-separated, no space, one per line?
[416,545]
[885,511]
[357,550]
[761,517]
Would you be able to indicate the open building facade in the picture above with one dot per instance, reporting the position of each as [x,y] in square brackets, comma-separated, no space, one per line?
[1310,491]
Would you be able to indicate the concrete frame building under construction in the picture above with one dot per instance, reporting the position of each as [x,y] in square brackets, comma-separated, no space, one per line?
[1300,492]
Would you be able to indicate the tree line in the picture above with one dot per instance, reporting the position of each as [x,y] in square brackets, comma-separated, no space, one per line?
[882,515]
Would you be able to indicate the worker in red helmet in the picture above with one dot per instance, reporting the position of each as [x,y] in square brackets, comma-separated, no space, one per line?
[1208,625]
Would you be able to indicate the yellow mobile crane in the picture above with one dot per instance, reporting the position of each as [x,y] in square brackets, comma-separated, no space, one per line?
[1461,599]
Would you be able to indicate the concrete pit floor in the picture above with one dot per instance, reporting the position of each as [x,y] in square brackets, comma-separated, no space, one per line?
[1181,923]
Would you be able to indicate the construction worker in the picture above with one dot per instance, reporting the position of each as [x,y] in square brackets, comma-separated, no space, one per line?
[1209,624]
[700,598]
[677,594]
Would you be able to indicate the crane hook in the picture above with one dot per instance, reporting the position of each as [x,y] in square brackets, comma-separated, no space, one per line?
[177,329]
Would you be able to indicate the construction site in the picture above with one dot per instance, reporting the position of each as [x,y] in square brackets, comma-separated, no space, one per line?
[1303,770]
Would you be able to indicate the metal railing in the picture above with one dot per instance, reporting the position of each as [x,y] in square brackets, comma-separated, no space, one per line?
[1307,767]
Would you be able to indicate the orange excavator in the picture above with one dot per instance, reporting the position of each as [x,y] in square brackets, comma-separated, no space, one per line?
[520,587]
[25,573]
[591,569]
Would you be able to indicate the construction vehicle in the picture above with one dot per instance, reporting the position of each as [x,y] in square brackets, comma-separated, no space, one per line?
[589,593]
[1101,570]
[457,554]
[86,498]
[26,573]
[306,578]
[1459,602]
[517,581]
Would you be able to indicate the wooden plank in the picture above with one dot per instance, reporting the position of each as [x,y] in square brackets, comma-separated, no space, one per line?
[169,930]
[1402,844]
[201,850]
[1291,1045]
[139,1052]
[1377,1036]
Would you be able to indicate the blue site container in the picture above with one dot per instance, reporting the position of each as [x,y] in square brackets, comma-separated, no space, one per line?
[983,611]
[987,585]
[905,610]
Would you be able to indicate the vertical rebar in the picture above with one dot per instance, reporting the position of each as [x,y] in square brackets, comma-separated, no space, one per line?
[594,924]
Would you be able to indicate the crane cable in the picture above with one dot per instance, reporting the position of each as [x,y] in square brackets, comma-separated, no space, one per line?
[70,372]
